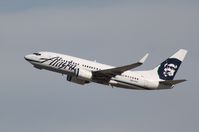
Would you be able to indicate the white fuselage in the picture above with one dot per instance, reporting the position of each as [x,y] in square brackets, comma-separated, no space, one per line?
[68,65]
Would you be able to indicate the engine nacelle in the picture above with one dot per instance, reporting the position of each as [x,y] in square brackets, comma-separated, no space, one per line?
[83,74]
[76,80]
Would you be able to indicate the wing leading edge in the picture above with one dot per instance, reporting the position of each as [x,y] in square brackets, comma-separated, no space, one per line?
[105,75]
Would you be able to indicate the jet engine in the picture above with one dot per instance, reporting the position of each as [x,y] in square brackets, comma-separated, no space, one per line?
[74,79]
[81,76]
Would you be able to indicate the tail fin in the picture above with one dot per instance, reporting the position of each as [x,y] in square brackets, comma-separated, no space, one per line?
[168,69]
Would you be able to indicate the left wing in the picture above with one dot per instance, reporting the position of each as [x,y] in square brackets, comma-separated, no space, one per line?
[105,75]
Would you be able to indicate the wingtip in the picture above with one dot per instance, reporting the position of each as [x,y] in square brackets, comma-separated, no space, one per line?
[184,80]
[144,58]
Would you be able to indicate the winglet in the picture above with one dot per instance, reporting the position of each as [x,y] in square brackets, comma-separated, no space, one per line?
[144,58]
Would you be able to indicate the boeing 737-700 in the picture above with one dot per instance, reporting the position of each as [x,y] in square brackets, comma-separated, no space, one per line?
[83,71]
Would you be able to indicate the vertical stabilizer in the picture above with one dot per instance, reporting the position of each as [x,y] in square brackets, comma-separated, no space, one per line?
[168,68]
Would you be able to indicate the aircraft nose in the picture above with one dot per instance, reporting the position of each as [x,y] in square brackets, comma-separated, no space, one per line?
[27,57]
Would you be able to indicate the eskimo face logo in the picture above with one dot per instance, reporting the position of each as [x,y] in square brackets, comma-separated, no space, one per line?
[168,68]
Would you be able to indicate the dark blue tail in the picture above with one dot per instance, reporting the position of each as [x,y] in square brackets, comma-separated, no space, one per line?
[168,69]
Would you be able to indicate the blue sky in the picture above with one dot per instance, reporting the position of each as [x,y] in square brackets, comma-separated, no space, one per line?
[13,5]
[114,33]
[18,5]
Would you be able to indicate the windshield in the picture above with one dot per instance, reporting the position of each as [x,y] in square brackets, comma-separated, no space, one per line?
[37,54]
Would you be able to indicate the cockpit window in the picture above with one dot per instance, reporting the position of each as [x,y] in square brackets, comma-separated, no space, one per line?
[37,54]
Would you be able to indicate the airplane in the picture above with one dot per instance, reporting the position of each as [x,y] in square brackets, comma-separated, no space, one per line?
[81,71]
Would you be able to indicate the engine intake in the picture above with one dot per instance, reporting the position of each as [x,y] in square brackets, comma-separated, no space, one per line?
[83,74]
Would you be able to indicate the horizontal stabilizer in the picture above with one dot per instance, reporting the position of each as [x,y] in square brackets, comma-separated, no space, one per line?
[172,82]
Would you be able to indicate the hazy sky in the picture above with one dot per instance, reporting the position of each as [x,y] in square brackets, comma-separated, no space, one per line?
[113,32]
